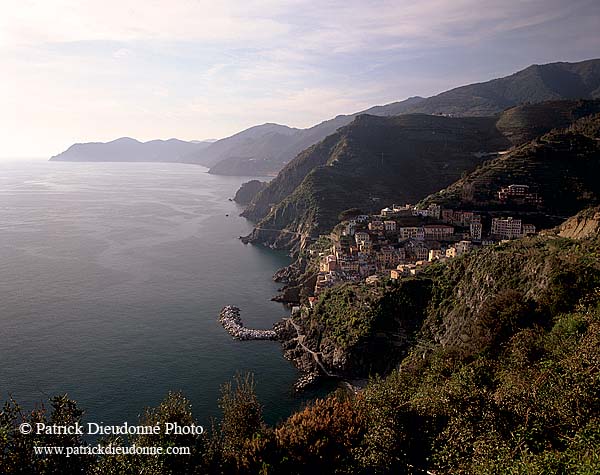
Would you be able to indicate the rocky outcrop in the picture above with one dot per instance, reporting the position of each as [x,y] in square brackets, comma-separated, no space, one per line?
[299,279]
[248,191]
[583,225]
[288,295]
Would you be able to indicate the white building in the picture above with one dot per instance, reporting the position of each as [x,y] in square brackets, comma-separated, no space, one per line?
[411,232]
[506,228]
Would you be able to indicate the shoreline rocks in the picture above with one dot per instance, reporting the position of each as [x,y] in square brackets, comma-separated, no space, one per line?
[284,332]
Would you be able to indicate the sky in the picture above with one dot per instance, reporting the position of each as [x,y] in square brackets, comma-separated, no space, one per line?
[88,70]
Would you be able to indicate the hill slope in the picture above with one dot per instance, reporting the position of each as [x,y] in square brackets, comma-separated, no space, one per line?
[266,154]
[249,152]
[368,164]
[420,153]
[562,167]
[537,83]
[498,354]
[265,149]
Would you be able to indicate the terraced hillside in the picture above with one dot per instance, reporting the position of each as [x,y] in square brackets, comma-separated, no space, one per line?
[562,167]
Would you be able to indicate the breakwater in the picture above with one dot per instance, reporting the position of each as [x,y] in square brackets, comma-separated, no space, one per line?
[232,322]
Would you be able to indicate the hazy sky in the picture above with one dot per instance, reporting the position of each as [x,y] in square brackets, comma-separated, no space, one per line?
[94,70]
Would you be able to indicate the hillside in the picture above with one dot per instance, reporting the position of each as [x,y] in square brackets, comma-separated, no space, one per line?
[360,329]
[420,153]
[498,354]
[250,152]
[368,164]
[127,149]
[562,167]
[262,154]
[264,149]
[537,83]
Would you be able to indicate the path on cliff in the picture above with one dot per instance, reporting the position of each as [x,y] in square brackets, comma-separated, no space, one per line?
[300,339]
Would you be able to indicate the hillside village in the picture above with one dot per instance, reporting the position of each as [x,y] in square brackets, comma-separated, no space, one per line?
[401,240]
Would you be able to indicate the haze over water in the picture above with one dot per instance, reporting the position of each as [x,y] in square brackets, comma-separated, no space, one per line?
[112,278]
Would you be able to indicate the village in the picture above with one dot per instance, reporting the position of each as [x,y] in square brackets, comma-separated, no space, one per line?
[402,239]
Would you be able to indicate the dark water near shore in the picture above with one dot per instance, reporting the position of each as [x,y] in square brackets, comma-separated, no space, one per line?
[111,280]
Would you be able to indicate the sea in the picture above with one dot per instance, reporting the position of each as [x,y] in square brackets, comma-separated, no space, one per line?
[112,276]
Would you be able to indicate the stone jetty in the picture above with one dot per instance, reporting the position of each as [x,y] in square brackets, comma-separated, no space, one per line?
[306,380]
[232,322]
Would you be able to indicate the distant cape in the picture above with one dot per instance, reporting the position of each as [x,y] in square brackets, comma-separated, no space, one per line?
[127,149]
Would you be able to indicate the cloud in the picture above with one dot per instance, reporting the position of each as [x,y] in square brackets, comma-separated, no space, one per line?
[122,53]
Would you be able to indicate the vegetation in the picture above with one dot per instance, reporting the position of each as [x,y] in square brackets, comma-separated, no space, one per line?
[248,191]
[537,83]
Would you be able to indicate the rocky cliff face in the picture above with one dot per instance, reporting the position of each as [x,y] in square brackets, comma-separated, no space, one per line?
[583,225]
[248,191]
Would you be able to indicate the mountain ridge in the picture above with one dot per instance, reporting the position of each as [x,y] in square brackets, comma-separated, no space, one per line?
[264,149]
[536,83]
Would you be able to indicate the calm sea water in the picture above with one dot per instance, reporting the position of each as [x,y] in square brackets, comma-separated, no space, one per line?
[111,279]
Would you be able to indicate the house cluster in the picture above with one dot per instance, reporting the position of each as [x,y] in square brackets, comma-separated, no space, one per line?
[402,240]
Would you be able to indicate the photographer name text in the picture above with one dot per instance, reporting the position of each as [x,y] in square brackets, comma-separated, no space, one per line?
[93,428]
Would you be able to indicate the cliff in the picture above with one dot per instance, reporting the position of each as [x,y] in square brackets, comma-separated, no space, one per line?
[248,191]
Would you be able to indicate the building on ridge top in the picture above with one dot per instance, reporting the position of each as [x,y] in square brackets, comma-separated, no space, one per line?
[519,193]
